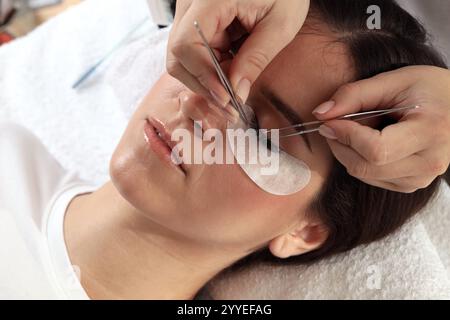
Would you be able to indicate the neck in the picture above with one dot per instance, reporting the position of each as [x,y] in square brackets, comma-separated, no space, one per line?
[122,254]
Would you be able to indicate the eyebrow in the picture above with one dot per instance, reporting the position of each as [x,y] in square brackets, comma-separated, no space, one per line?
[287,111]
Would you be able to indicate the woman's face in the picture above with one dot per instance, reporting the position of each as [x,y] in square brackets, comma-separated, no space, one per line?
[218,204]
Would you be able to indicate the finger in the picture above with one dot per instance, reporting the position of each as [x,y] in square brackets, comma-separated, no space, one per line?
[221,42]
[399,185]
[383,185]
[387,186]
[382,91]
[198,109]
[358,167]
[266,40]
[178,71]
[187,46]
[402,185]
[411,184]
[181,8]
[393,143]
[202,74]
[218,111]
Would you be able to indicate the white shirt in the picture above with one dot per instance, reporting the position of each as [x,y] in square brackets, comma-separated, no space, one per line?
[34,194]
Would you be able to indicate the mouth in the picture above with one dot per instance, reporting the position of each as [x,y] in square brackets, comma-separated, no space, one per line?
[159,139]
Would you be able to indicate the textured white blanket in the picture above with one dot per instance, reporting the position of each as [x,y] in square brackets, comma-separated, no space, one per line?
[81,129]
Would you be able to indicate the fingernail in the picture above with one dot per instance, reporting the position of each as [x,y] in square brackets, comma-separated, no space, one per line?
[218,100]
[243,89]
[327,132]
[324,107]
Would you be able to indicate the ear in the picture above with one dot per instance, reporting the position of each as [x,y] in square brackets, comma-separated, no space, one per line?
[306,237]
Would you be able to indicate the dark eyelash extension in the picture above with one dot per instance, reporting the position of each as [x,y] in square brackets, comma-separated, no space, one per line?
[257,128]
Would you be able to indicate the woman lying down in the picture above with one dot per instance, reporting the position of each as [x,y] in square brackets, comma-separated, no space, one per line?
[162,230]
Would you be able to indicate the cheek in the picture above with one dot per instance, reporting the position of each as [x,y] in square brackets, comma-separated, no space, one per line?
[233,189]
[241,210]
[125,165]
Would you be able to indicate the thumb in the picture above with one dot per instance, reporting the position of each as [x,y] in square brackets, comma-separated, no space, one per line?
[380,92]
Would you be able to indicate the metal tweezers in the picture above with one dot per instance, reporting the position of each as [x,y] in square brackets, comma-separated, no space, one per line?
[237,105]
[235,102]
[355,117]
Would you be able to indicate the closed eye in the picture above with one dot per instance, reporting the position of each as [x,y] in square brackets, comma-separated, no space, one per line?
[257,128]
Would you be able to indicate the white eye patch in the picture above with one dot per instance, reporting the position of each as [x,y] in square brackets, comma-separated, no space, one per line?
[274,171]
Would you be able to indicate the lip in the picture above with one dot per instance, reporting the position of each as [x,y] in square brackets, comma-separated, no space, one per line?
[160,144]
[165,134]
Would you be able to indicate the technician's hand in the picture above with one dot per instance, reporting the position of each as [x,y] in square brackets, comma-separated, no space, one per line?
[272,25]
[406,156]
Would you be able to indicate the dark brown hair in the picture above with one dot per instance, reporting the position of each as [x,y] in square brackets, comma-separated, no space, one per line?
[354,212]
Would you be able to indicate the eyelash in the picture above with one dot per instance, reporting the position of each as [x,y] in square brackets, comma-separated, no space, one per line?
[269,142]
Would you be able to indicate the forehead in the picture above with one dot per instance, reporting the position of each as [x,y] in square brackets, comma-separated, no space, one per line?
[309,70]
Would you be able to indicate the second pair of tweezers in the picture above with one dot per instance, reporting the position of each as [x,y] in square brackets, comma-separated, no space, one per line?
[354,117]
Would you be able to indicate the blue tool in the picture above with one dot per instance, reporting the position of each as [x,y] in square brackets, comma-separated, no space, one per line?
[92,69]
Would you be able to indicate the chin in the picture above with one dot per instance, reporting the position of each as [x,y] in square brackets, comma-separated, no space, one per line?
[145,185]
[121,174]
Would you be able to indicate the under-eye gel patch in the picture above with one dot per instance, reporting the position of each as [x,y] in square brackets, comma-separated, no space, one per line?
[270,168]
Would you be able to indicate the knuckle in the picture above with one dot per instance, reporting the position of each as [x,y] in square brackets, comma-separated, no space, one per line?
[203,76]
[437,167]
[258,60]
[377,153]
[173,67]
[358,169]
[407,186]
[178,48]
[415,184]
[347,136]
[425,183]
[409,190]
[347,89]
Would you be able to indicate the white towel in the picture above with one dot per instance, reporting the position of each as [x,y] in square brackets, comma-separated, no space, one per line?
[406,265]
[82,128]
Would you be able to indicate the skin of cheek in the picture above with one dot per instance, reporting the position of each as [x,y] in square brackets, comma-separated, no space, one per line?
[218,208]
[235,211]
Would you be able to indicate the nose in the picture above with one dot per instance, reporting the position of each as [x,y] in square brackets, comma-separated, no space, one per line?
[196,108]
